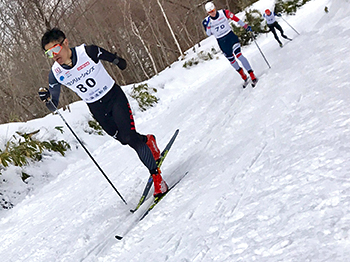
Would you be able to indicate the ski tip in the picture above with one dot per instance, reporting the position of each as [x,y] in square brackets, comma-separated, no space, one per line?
[119,237]
[132,210]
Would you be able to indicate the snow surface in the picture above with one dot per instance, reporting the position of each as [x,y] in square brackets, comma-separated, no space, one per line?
[268,167]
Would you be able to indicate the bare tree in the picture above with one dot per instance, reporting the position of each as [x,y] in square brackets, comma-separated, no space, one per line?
[171,30]
[149,38]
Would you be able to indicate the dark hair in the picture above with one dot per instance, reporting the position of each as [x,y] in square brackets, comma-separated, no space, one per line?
[51,35]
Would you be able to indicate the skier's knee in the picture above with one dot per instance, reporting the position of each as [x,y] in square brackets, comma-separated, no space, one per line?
[123,139]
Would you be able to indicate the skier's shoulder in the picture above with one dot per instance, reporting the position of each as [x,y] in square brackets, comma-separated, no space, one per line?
[230,15]
[205,22]
[206,19]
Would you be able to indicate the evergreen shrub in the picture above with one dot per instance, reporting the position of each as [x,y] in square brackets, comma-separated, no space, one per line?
[143,94]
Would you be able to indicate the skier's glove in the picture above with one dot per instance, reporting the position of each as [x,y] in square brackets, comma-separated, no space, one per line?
[279,15]
[120,62]
[248,28]
[45,96]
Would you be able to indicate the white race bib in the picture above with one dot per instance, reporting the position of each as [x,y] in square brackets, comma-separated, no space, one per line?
[89,80]
[220,26]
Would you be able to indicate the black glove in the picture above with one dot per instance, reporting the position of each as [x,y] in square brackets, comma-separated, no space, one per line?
[279,15]
[120,62]
[44,94]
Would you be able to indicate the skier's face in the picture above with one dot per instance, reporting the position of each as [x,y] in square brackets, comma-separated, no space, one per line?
[212,13]
[58,50]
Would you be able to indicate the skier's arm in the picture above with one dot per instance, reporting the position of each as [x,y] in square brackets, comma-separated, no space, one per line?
[97,53]
[54,88]
[206,26]
[232,16]
[50,97]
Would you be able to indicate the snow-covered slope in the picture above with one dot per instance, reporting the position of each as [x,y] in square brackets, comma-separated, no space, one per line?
[268,167]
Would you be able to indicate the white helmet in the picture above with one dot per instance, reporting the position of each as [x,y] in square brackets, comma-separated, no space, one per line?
[209,7]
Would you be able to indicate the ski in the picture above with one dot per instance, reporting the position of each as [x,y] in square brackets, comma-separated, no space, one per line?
[159,164]
[255,82]
[150,207]
[157,199]
[246,82]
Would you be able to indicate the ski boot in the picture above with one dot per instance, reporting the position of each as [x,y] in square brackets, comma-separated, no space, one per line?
[151,143]
[244,77]
[253,78]
[160,186]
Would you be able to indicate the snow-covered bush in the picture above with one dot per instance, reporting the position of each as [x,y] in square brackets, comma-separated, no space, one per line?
[143,94]
[23,148]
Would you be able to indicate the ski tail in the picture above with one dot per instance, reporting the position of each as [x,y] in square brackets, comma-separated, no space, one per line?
[147,210]
[156,200]
[159,164]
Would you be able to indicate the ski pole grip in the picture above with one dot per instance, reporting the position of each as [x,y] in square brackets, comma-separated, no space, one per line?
[44,94]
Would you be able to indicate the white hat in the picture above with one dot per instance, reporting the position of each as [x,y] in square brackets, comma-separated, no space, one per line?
[209,6]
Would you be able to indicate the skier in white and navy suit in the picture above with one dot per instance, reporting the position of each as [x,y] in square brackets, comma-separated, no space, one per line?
[217,23]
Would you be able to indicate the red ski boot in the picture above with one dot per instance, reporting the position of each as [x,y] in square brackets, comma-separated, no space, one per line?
[160,187]
[151,143]
[244,77]
[253,77]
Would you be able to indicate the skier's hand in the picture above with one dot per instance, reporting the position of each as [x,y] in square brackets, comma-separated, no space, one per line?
[120,62]
[44,94]
[279,15]
[248,28]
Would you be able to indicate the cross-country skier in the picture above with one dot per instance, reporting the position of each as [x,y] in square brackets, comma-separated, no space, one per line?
[217,24]
[80,69]
[272,24]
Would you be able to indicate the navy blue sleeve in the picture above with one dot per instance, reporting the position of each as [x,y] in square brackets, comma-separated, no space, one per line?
[55,88]
[97,53]
[205,23]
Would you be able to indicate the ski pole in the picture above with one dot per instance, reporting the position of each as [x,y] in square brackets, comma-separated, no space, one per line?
[87,151]
[290,25]
[252,36]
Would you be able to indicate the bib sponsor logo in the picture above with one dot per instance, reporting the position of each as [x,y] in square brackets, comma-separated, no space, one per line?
[58,70]
[68,74]
[82,76]
[83,66]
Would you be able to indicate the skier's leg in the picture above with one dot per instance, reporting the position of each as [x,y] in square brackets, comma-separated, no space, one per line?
[127,134]
[279,28]
[272,29]
[225,45]
[244,61]
[233,61]
[126,131]
[114,115]
[241,57]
